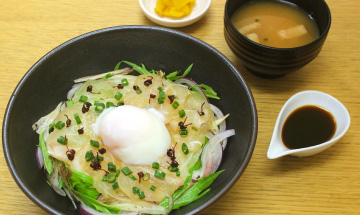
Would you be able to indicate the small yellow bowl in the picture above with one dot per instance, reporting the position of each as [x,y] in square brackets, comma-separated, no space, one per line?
[199,10]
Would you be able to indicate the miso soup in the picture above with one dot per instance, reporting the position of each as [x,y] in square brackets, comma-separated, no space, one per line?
[276,24]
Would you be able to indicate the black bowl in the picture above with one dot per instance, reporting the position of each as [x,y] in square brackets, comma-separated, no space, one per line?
[48,81]
[273,62]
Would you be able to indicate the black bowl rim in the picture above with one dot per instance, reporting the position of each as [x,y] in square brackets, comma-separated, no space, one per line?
[9,107]
[323,35]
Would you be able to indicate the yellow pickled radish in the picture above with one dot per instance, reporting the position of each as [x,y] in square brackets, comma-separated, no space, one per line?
[174,8]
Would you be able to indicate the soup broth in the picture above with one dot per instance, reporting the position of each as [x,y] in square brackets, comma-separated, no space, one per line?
[275,24]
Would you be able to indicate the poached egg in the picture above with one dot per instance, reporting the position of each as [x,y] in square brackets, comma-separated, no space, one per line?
[134,135]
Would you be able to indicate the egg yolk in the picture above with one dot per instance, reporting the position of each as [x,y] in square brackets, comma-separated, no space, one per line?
[134,135]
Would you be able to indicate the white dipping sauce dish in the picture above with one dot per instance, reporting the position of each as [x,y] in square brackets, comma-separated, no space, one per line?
[336,108]
[198,11]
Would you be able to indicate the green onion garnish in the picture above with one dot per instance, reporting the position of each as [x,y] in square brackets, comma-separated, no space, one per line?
[101,158]
[162,94]
[118,96]
[77,118]
[160,100]
[109,104]
[173,169]
[136,190]
[153,188]
[159,174]
[99,107]
[139,91]
[120,103]
[109,75]
[126,171]
[95,143]
[185,149]
[146,177]
[59,125]
[111,178]
[104,178]
[175,105]
[61,140]
[178,174]
[141,195]
[132,177]
[124,82]
[69,103]
[111,167]
[184,132]
[155,165]
[83,99]
[89,155]
[117,173]
[115,186]
[181,113]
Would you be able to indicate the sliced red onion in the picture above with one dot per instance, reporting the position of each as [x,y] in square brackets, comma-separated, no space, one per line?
[39,158]
[212,154]
[73,90]
[222,127]
[190,83]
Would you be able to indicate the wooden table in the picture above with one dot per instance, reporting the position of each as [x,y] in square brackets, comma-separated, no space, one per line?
[327,183]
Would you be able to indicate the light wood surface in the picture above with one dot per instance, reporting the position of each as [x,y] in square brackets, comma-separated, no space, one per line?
[327,183]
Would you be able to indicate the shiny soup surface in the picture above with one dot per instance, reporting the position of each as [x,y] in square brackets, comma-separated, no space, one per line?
[275,24]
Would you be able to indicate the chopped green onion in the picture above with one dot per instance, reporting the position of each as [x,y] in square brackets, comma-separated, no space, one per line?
[159,174]
[136,190]
[109,75]
[117,173]
[182,113]
[118,96]
[69,103]
[104,178]
[111,167]
[146,177]
[141,195]
[77,118]
[184,132]
[160,88]
[185,149]
[120,103]
[101,158]
[155,165]
[109,104]
[99,107]
[178,174]
[89,155]
[153,188]
[139,91]
[59,125]
[61,140]
[126,171]
[115,186]
[173,169]
[95,143]
[160,100]
[132,177]
[175,105]
[111,178]
[162,94]
[83,99]
[124,82]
